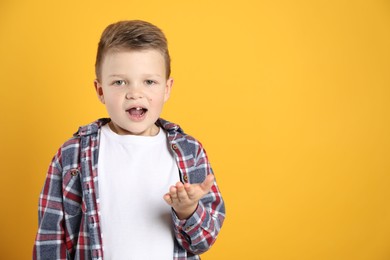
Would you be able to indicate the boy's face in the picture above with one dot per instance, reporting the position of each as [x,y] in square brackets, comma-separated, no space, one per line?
[134,88]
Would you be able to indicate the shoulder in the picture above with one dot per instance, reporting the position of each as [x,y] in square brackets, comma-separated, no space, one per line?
[85,130]
[91,128]
[70,148]
[177,137]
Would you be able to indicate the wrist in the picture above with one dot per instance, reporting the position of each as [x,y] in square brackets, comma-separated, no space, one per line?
[185,214]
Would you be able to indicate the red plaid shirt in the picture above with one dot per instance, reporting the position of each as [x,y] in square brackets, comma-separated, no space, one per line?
[69,226]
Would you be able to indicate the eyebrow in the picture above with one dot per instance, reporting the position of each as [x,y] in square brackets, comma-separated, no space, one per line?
[153,75]
[116,76]
[124,76]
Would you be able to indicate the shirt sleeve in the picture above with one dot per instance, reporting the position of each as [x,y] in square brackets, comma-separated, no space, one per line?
[50,238]
[199,232]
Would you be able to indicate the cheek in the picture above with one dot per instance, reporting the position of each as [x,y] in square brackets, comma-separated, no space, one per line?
[113,103]
[113,97]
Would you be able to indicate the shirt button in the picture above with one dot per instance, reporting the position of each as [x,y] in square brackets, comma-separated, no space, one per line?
[74,172]
[174,147]
[185,178]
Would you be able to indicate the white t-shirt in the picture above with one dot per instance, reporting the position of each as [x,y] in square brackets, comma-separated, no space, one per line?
[134,173]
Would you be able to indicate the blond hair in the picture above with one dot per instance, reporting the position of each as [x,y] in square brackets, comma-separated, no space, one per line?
[132,35]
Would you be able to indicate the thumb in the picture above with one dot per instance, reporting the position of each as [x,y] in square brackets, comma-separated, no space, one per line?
[207,183]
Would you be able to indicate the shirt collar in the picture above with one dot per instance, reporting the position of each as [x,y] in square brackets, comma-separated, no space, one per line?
[169,126]
[92,128]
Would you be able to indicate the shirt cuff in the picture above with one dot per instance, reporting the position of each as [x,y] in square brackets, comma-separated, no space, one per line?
[192,224]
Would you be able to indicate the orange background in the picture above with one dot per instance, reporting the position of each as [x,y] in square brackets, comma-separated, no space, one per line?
[291,99]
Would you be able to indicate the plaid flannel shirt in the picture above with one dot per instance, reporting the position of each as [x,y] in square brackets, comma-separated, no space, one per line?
[69,225]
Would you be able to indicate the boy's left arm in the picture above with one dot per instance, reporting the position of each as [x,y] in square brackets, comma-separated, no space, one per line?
[199,210]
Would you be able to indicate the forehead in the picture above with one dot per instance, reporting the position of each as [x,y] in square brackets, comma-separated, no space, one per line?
[126,61]
[149,56]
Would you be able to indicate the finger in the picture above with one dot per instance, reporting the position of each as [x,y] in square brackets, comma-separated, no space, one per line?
[181,192]
[168,199]
[173,193]
[191,191]
[208,183]
[196,191]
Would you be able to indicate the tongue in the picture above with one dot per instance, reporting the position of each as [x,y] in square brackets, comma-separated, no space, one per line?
[136,112]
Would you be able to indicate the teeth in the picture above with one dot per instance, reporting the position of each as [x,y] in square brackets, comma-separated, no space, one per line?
[138,108]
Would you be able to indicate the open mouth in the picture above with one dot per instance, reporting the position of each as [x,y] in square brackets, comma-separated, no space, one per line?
[137,112]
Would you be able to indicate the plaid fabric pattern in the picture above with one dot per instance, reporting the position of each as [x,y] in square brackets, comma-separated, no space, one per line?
[69,225]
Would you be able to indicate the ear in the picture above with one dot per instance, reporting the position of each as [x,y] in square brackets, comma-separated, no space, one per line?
[99,90]
[168,89]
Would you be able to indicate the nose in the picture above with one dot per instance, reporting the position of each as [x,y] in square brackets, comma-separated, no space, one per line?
[134,93]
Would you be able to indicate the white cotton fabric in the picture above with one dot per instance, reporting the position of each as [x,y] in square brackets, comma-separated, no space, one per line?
[134,173]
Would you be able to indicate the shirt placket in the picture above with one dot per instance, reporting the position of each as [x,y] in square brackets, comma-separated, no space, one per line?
[89,194]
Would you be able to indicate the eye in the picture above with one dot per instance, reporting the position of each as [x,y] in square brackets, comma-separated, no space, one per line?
[150,82]
[119,82]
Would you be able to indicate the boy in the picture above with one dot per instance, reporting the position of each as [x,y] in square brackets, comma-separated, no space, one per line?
[132,186]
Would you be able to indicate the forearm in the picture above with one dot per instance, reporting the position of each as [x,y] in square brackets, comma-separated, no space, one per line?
[50,238]
[199,232]
[49,242]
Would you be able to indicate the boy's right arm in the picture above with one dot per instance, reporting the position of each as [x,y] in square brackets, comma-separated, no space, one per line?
[50,238]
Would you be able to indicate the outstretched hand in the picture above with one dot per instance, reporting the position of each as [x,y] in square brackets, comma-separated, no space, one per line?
[184,198]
